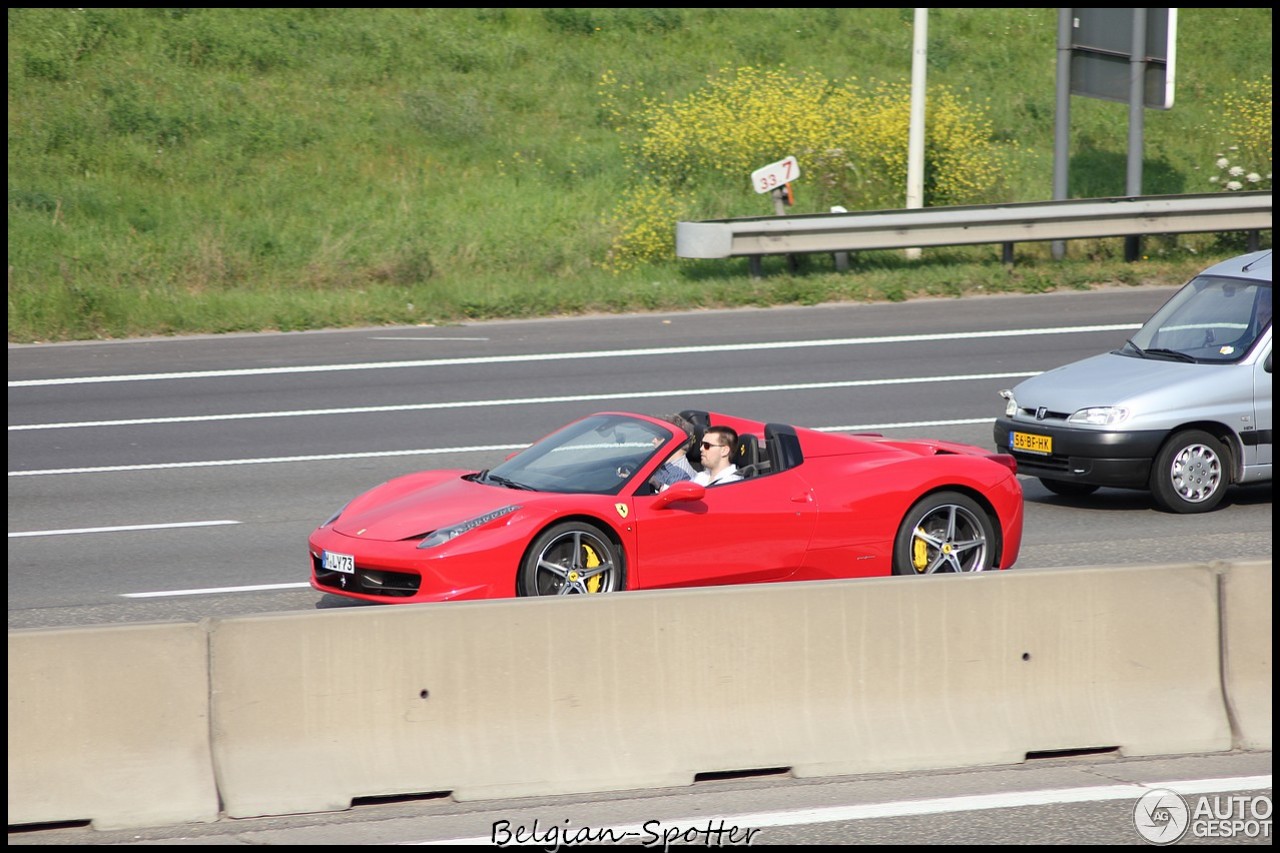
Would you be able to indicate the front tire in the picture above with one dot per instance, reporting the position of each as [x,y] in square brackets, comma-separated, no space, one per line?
[944,532]
[574,557]
[1190,473]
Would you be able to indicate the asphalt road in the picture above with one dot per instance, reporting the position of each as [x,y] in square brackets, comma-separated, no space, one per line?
[1085,799]
[178,478]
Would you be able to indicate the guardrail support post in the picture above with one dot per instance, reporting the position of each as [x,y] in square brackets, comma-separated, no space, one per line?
[781,197]
[841,258]
[755,266]
[1132,247]
[1006,254]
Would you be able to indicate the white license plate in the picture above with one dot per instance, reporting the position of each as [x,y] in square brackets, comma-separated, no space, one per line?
[335,562]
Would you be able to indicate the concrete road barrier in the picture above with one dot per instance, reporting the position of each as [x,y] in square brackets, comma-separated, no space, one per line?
[1246,651]
[308,711]
[110,725]
[514,698]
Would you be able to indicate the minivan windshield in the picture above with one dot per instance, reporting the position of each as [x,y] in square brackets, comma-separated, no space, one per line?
[1212,319]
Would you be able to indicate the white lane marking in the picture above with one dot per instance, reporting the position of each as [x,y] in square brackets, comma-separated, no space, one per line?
[526,401]
[227,462]
[902,808]
[560,356]
[75,530]
[905,425]
[419,338]
[432,451]
[215,591]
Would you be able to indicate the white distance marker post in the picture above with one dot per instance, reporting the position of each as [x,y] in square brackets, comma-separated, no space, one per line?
[775,176]
[776,179]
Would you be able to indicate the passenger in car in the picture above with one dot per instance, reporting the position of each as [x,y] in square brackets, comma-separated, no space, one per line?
[1261,317]
[1263,312]
[677,466]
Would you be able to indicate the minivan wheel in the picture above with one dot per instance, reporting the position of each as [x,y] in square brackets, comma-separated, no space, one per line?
[1068,489]
[1190,473]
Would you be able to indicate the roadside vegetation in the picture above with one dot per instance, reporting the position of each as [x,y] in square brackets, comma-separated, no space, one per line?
[178,171]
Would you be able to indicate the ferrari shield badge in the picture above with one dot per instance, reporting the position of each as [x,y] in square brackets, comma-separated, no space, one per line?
[622,509]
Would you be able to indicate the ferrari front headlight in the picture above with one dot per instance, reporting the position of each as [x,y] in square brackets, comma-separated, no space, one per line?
[335,516]
[1099,415]
[446,534]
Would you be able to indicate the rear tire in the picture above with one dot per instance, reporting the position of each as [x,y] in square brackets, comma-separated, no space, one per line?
[574,557]
[944,532]
[1190,473]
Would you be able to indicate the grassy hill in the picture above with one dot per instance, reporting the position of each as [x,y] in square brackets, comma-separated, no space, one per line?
[197,170]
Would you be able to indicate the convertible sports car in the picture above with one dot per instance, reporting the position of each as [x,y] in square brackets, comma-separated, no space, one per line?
[580,512]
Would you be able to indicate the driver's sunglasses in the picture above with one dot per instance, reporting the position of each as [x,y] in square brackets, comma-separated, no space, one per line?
[706,445]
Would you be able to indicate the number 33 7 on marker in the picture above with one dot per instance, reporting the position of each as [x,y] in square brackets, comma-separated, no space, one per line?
[775,175]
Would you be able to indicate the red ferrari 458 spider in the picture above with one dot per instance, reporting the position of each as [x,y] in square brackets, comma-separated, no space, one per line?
[581,511]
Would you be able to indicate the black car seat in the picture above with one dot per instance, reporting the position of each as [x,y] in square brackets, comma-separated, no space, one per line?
[701,423]
[747,455]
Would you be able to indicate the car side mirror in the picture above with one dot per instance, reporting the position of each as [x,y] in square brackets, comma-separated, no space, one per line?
[1266,365]
[685,490]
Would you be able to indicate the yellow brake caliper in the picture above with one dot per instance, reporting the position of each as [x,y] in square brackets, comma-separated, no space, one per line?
[920,551]
[593,582]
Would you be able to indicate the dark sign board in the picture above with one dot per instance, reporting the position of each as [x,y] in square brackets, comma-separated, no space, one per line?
[1101,47]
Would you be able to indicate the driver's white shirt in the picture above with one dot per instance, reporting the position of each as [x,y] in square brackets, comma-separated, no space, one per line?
[727,474]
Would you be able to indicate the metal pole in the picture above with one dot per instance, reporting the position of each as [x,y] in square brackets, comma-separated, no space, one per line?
[915,136]
[1062,122]
[1137,86]
[780,209]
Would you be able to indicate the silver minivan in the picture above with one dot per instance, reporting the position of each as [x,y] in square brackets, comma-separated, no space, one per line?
[1183,409]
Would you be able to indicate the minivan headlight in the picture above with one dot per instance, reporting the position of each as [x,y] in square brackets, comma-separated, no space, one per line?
[1099,415]
[1010,404]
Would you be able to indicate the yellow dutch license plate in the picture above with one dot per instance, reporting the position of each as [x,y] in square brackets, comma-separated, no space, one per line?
[1030,443]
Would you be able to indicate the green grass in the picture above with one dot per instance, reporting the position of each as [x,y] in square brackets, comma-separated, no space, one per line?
[178,171]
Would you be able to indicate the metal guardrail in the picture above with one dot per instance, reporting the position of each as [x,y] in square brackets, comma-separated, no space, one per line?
[1072,219]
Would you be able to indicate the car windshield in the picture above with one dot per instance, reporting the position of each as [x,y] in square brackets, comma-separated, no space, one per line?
[596,455]
[1212,319]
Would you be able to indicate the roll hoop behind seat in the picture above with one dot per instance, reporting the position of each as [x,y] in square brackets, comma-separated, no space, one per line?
[783,446]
